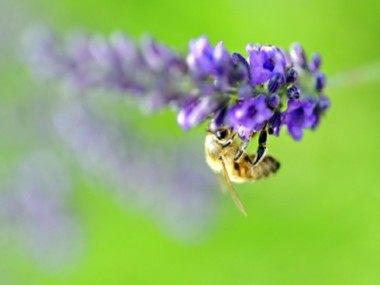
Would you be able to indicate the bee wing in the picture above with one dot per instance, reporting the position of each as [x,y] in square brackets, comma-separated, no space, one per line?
[233,192]
[221,183]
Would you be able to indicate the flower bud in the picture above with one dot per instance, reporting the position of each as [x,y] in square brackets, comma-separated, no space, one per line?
[319,82]
[291,76]
[242,69]
[275,83]
[293,93]
[298,55]
[323,103]
[315,62]
[273,101]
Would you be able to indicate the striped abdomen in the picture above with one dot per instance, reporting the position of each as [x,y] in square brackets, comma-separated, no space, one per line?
[243,172]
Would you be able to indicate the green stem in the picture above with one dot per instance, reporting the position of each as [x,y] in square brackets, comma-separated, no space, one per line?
[363,74]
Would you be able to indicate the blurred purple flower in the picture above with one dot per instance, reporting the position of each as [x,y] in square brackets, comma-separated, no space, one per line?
[200,57]
[34,211]
[177,194]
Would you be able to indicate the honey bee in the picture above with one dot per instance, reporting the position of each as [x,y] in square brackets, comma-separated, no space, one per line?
[230,162]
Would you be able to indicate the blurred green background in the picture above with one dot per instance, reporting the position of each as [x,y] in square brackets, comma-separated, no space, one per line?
[316,222]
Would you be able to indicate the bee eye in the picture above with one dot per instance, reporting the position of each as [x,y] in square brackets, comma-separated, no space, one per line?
[221,134]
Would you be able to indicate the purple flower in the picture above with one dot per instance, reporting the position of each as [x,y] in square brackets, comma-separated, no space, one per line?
[200,57]
[183,118]
[244,132]
[223,66]
[218,120]
[222,59]
[298,116]
[265,61]
[321,107]
[250,113]
[197,113]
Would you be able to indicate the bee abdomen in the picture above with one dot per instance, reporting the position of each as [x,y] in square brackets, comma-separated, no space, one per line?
[267,167]
[243,172]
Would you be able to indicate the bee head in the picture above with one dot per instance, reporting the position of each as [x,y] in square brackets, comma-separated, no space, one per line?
[221,133]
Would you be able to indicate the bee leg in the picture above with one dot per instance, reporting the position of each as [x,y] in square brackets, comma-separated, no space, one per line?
[243,147]
[230,140]
[262,149]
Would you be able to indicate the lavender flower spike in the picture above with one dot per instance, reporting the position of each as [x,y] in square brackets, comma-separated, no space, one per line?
[260,90]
